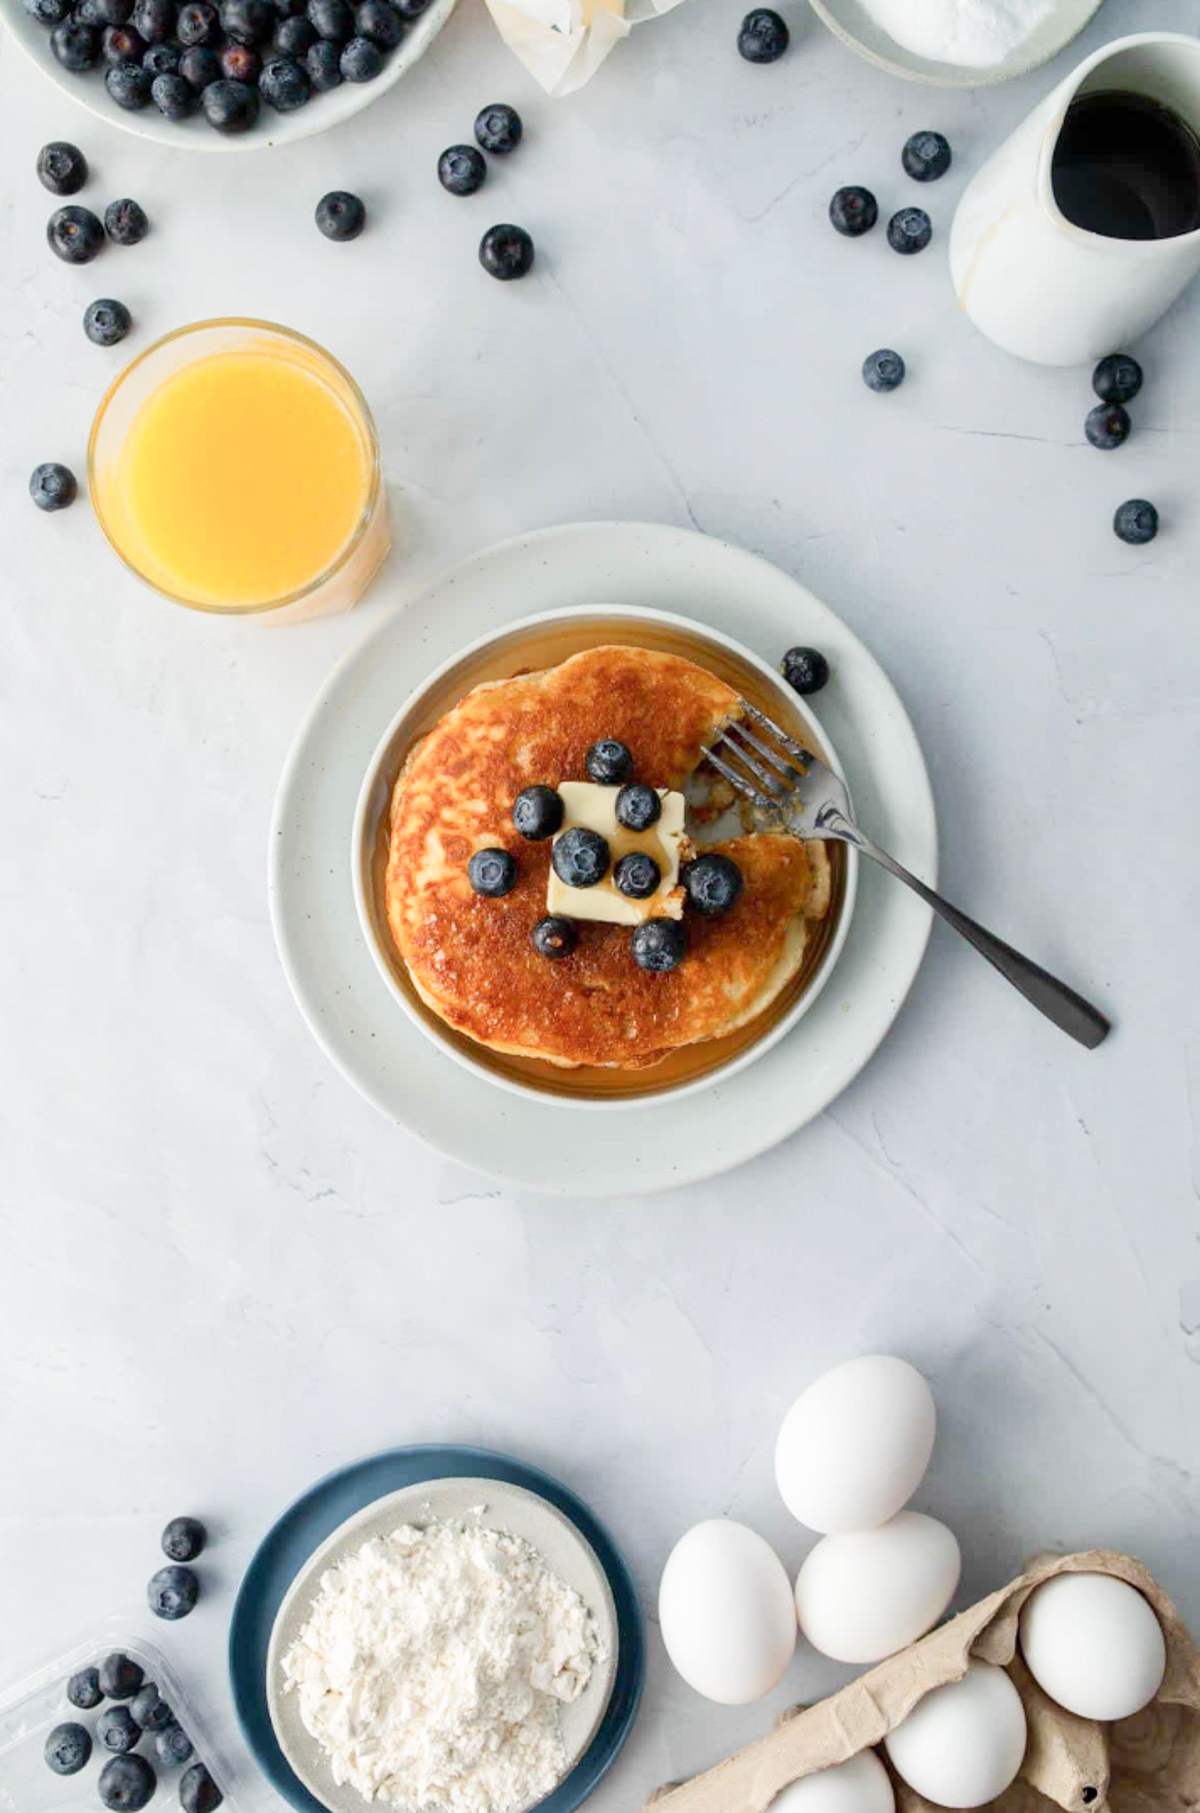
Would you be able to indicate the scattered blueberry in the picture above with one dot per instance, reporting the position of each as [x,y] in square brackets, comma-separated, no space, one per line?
[161,60]
[926,156]
[174,96]
[498,128]
[183,1539]
[121,44]
[506,252]
[74,234]
[608,762]
[762,36]
[361,60]
[83,1689]
[379,21]
[462,169]
[331,19]
[230,106]
[1135,521]
[853,211]
[909,230]
[294,36]
[713,884]
[638,807]
[537,812]
[77,47]
[658,945]
[52,487]
[341,215]
[284,84]
[62,168]
[149,1708]
[492,873]
[68,1748]
[198,23]
[198,1792]
[580,857]
[120,1677]
[240,63]
[129,85]
[199,66]
[883,370]
[118,1730]
[555,936]
[172,1746]
[805,669]
[637,875]
[105,322]
[125,222]
[172,1592]
[247,21]
[1107,425]
[126,1784]
[1117,379]
[323,62]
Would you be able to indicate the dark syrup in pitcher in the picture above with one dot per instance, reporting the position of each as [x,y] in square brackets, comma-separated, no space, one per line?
[1128,167]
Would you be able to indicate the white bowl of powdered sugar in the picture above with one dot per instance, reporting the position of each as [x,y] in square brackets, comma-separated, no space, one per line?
[957,43]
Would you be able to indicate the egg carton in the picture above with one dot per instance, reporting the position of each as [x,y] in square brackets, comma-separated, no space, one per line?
[1149,1763]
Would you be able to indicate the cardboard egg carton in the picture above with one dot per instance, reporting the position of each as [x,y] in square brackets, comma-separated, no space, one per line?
[1146,1764]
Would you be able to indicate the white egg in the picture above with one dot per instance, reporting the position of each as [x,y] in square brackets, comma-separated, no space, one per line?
[1093,1644]
[862,1597]
[854,1447]
[963,1744]
[726,1611]
[861,1785]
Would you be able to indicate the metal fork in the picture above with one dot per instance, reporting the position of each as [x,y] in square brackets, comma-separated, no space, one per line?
[807,797]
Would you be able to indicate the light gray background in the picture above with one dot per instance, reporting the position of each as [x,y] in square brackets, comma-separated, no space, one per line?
[220,1273]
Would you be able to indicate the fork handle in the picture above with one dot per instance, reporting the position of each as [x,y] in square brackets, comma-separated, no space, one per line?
[1069,1011]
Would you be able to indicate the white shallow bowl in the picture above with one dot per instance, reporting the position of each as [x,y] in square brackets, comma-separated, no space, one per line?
[850,21]
[194,134]
[376,794]
[497,1506]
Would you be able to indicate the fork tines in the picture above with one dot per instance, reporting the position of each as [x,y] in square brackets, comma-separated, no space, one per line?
[746,754]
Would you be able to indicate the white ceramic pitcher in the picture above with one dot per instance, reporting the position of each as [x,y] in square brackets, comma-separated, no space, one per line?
[1040,286]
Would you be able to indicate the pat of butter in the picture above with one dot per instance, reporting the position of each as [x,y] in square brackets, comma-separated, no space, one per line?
[594,807]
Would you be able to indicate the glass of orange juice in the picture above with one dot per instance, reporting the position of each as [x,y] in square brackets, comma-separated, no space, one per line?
[234,466]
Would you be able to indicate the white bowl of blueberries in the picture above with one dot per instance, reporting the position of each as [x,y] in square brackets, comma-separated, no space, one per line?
[215,75]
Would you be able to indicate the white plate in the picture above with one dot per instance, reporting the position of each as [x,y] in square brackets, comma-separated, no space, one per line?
[850,21]
[332,973]
[195,134]
[374,800]
[498,1506]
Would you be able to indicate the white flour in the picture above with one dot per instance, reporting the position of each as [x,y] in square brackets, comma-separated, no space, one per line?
[432,1668]
[976,33]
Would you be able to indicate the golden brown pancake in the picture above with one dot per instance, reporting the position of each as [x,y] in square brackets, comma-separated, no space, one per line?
[471,959]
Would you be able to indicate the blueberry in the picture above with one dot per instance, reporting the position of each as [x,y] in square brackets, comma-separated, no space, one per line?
[126,1784]
[199,66]
[410,9]
[492,873]
[172,1746]
[120,1677]
[608,762]
[149,1708]
[125,222]
[1135,521]
[853,211]
[324,65]
[537,812]
[75,234]
[637,875]
[68,1748]
[174,96]
[83,1689]
[247,21]
[638,807]
[1117,379]
[129,85]
[580,857]
[61,168]
[554,936]
[77,47]
[48,12]
[198,1792]
[361,60]
[198,23]
[52,487]
[462,169]
[762,36]
[161,60]
[172,1592]
[112,12]
[240,63]
[926,156]
[658,945]
[154,20]
[105,321]
[331,19]
[909,230]
[118,1730]
[713,884]
[506,252]
[183,1539]
[230,106]
[1107,425]
[121,44]
[498,128]
[379,21]
[284,83]
[294,37]
[805,669]
[341,215]
[883,370]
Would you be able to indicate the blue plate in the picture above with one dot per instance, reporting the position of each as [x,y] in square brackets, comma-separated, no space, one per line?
[323,1508]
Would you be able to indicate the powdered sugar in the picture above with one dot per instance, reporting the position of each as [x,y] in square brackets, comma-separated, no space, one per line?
[433,1665]
[975,33]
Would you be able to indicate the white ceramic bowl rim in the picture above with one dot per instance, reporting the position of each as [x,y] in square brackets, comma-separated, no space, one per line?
[848,20]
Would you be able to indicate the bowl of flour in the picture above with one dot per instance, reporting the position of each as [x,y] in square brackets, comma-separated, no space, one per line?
[957,43]
[450,1649]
